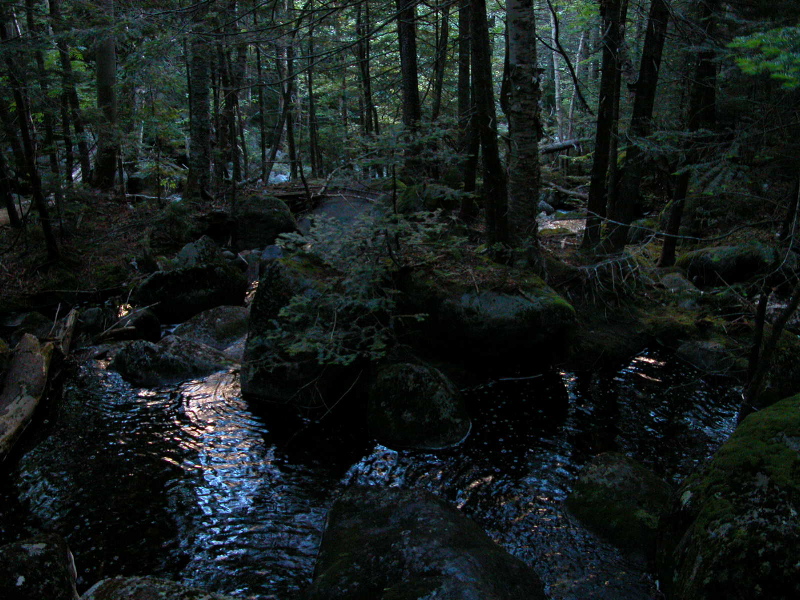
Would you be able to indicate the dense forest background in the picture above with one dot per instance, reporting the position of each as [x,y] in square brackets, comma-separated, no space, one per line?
[686,98]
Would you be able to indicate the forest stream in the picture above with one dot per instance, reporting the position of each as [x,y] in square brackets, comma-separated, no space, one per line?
[191,483]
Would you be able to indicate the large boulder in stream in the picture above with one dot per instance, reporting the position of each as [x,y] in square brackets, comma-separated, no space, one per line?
[146,588]
[39,568]
[518,318]
[621,500]
[202,279]
[416,406]
[171,360]
[260,219]
[389,543]
[734,528]
[269,373]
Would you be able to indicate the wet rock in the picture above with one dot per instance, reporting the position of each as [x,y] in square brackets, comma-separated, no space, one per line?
[140,324]
[707,355]
[530,320]
[727,264]
[220,327]
[260,219]
[93,320]
[146,588]
[39,568]
[33,323]
[621,500]
[734,528]
[171,360]
[180,294]
[389,543]
[416,406]
[678,284]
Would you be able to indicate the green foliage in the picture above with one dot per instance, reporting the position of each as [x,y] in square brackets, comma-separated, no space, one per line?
[776,52]
[351,313]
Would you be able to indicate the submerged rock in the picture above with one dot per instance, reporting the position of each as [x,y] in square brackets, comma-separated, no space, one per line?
[621,500]
[146,588]
[416,406]
[39,568]
[171,360]
[222,327]
[734,528]
[389,543]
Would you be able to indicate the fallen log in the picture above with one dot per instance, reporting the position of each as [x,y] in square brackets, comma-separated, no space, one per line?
[566,192]
[25,384]
[558,146]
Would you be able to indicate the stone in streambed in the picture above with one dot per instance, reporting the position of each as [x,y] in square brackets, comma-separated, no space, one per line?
[39,568]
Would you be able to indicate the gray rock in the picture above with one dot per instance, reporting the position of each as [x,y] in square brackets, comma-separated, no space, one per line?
[727,264]
[172,360]
[545,208]
[394,544]
[416,406]
[39,568]
[180,294]
[678,284]
[146,588]
[33,323]
[201,252]
[621,500]
[93,320]
[272,253]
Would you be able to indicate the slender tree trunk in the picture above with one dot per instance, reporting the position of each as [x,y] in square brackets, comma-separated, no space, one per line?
[108,145]
[574,98]
[468,142]
[494,177]
[440,62]
[559,111]
[524,126]
[289,91]
[610,11]
[12,139]
[701,114]
[68,85]
[6,193]
[640,126]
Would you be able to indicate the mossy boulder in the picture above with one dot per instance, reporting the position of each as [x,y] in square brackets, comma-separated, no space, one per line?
[621,500]
[520,321]
[395,544]
[40,567]
[734,528]
[416,406]
[146,588]
[267,372]
[727,264]
[260,219]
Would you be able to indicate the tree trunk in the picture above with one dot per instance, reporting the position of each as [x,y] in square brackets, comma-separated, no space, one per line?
[5,191]
[28,142]
[596,209]
[494,177]
[640,125]
[107,143]
[440,61]
[407,36]
[575,90]
[68,85]
[701,114]
[559,112]
[199,73]
[524,126]
[468,142]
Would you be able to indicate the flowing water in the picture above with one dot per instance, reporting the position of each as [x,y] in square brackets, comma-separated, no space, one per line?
[193,484]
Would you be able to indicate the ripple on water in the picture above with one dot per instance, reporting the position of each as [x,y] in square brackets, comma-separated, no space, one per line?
[191,483]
